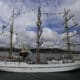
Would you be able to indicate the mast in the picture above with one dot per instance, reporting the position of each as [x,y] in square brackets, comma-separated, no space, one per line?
[11,34]
[66,28]
[67,18]
[39,32]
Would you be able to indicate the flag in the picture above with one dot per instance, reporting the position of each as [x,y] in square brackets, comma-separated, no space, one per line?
[3,27]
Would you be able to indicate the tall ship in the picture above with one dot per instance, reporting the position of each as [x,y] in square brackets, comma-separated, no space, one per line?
[18,63]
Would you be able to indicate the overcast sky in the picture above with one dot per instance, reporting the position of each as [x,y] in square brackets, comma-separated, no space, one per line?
[26,17]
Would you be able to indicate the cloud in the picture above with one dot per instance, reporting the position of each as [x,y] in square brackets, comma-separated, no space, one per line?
[50,38]
[73,40]
[5,12]
[26,18]
[5,39]
[49,35]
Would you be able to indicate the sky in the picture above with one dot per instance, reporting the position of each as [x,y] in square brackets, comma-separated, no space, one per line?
[25,19]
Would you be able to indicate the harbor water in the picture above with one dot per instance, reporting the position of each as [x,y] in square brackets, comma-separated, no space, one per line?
[73,75]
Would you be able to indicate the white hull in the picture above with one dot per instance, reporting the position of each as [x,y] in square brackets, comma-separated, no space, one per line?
[26,68]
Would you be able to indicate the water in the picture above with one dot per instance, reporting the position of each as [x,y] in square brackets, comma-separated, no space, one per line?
[74,75]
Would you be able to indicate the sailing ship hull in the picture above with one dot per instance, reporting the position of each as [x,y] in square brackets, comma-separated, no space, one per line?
[26,68]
